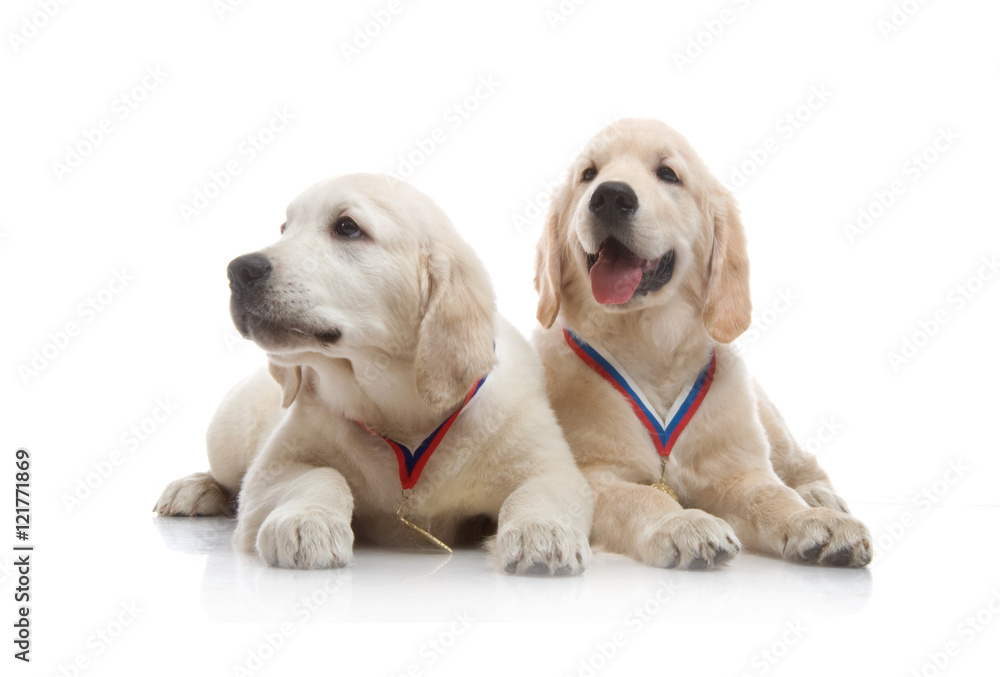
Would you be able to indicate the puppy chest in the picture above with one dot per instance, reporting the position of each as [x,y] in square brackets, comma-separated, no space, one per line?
[446,478]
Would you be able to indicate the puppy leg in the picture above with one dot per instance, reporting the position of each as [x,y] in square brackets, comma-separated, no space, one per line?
[544,524]
[296,516]
[796,468]
[244,419]
[650,526]
[771,517]
[197,494]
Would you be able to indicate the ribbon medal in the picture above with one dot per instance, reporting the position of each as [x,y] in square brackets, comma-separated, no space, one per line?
[663,432]
[411,463]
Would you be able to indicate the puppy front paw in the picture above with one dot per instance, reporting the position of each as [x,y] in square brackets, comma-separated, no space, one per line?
[826,536]
[305,539]
[528,547]
[821,495]
[689,539]
[197,494]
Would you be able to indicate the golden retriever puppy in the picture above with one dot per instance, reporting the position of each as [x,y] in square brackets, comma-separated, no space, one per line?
[643,281]
[394,382]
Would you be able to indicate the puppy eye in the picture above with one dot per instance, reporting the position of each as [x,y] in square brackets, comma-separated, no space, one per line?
[283,226]
[667,175]
[347,227]
[588,174]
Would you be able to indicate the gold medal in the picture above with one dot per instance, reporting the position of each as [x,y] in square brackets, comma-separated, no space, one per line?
[423,532]
[664,434]
[665,489]
[662,484]
[411,462]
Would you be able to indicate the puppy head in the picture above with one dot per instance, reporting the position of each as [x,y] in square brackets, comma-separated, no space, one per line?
[368,267]
[641,223]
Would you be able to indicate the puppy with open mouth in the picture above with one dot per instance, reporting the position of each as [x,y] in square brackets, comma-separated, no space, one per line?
[397,408]
[643,281]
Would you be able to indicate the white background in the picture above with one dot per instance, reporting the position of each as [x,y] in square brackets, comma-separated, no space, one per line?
[886,432]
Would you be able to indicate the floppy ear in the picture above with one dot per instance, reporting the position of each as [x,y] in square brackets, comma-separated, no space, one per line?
[455,342]
[290,380]
[727,307]
[548,262]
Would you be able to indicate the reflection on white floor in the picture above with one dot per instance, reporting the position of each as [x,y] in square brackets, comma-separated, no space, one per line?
[427,585]
[173,597]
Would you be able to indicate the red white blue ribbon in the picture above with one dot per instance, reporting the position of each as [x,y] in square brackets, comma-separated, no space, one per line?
[411,463]
[662,431]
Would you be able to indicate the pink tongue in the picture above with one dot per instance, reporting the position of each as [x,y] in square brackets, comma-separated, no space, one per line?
[616,274]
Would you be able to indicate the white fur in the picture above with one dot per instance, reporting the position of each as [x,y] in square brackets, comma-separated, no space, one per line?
[418,328]
[736,459]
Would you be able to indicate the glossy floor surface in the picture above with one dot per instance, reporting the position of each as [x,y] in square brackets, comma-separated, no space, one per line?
[145,146]
[175,598]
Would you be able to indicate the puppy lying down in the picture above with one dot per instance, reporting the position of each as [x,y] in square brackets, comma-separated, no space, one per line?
[643,281]
[398,401]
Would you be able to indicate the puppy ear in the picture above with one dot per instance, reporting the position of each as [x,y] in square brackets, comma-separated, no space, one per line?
[290,380]
[548,262]
[455,342]
[727,307]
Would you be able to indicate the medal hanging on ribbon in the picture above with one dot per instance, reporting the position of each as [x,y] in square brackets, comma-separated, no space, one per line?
[411,463]
[662,432]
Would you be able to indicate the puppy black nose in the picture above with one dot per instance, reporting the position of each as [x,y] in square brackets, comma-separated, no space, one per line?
[248,270]
[613,201]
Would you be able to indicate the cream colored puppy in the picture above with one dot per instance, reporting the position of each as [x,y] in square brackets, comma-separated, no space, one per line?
[643,279]
[380,328]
